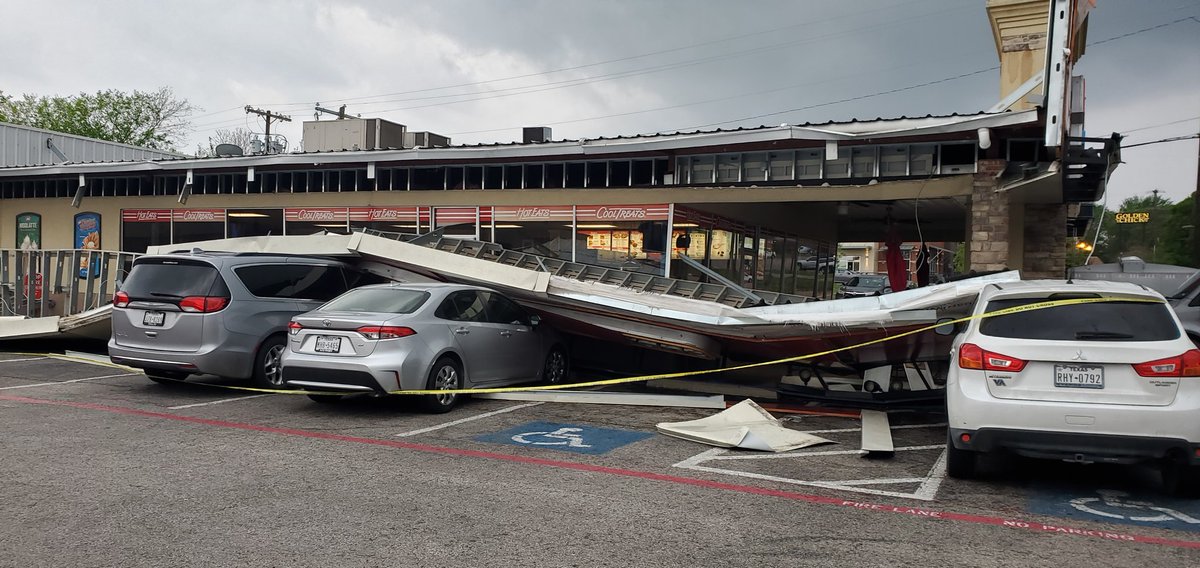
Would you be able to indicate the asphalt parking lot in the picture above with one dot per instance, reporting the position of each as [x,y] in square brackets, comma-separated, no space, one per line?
[101,467]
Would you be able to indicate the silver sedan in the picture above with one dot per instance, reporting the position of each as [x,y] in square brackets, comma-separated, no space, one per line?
[386,338]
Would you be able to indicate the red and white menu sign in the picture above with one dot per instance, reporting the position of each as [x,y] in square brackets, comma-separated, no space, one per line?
[198,215]
[316,214]
[613,213]
[383,214]
[146,215]
[562,213]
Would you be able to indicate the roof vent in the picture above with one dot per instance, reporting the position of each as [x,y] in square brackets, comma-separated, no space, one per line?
[532,134]
[1132,264]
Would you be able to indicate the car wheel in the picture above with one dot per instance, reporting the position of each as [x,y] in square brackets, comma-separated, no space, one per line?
[1181,479]
[557,366]
[960,464]
[267,370]
[326,398]
[165,377]
[446,374]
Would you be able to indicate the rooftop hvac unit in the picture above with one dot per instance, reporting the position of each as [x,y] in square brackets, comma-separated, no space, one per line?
[352,134]
[532,134]
[425,140]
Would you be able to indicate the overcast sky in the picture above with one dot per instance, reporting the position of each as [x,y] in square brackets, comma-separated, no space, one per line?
[479,71]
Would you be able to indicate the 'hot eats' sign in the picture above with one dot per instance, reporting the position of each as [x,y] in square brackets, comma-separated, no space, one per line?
[383,214]
[562,213]
[146,215]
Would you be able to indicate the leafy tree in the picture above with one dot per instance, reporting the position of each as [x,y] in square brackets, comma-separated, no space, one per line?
[238,136]
[1166,238]
[152,119]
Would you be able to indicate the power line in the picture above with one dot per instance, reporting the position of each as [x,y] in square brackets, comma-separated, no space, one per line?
[1162,141]
[1160,125]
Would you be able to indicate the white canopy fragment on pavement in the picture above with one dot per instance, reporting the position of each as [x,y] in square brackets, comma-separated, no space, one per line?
[743,425]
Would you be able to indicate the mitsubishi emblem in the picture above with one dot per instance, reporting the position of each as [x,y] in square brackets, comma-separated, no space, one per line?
[326,323]
[1079,356]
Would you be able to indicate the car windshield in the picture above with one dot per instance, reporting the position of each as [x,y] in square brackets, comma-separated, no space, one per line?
[1099,321]
[378,300]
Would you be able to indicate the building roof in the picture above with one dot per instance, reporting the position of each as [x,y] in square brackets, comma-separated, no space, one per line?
[854,130]
[22,146]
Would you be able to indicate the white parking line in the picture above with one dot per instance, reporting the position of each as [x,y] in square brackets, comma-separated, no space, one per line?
[468,419]
[19,360]
[223,400]
[70,381]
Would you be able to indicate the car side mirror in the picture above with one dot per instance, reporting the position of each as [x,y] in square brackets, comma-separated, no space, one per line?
[945,326]
[534,320]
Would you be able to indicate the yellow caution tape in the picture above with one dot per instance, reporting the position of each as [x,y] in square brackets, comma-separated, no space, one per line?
[641,378]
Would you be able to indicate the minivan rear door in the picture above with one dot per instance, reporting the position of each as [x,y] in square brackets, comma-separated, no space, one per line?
[153,318]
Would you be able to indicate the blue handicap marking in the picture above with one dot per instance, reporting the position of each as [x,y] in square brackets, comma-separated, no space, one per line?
[1116,506]
[565,437]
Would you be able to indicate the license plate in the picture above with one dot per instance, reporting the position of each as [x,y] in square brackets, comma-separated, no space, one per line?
[327,344]
[153,318]
[1079,376]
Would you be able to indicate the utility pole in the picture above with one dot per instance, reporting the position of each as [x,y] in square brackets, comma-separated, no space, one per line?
[340,113]
[269,116]
[1196,214]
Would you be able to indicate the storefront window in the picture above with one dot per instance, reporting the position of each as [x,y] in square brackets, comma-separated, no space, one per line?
[191,225]
[629,237]
[540,230]
[254,222]
[457,221]
[142,228]
[312,220]
[386,219]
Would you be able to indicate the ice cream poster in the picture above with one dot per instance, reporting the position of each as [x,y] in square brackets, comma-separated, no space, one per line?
[87,237]
[29,231]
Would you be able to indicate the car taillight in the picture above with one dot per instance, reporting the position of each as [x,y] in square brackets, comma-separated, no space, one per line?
[294,328]
[385,332]
[120,300]
[203,304]
[971,356]
[1186,365]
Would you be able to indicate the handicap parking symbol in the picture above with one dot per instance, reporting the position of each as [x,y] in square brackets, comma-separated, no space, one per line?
[565,437]
[1114,506]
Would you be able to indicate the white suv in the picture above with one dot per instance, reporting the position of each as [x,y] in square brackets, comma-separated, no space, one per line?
[1107,381]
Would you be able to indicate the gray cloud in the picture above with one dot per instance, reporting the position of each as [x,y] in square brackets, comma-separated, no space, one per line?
[777,55]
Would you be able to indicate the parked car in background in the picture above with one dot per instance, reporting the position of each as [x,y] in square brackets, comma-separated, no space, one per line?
[1113,381]
[381,339]
[865,285]
[218,313]
[844,276]
[820,264]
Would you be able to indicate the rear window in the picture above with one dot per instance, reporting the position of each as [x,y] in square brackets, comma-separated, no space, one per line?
[1099,321]
[380,300]
[173,279]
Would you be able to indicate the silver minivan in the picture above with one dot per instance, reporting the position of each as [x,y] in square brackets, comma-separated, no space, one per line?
[216,313]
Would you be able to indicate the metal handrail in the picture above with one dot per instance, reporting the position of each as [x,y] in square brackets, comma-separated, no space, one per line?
[59,282]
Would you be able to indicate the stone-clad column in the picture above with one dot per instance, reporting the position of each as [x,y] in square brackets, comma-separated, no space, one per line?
[1045,241]
[987,247]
